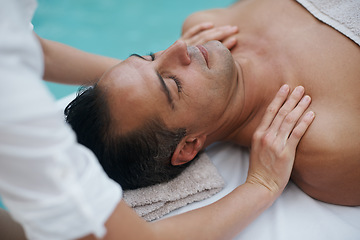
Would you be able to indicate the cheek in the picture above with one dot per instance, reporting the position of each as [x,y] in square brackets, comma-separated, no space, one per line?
[203,95]
[227,73]
[207,108]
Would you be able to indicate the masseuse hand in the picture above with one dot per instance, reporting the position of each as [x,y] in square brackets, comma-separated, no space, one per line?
[276,138]
[204,32]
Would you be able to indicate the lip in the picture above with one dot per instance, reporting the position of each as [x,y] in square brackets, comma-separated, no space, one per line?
[204,52]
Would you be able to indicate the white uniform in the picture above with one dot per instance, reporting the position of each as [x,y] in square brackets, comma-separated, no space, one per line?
[50,184]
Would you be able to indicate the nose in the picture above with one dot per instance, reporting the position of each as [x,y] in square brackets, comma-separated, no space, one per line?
[176,54]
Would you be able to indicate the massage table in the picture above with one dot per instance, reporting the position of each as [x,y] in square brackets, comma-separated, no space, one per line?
[293,216]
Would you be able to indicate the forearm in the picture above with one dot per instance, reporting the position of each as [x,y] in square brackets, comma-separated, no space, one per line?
[220,220]
[223,219]
[271,160]
[68,65]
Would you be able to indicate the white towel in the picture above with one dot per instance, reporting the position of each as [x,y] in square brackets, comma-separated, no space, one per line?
[199,181]
[342,15]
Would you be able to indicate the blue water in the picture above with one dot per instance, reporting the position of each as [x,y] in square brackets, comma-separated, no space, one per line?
[115,28]
[1,204]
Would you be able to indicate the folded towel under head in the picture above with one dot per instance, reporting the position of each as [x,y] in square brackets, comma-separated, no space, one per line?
[199,181]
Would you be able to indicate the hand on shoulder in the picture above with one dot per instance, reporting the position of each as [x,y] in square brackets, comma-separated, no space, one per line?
[276,138]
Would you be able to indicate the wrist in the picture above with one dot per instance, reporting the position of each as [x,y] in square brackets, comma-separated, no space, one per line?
[267,183]
[266,195]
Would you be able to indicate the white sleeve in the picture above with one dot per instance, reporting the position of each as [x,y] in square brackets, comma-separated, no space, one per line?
[53,186]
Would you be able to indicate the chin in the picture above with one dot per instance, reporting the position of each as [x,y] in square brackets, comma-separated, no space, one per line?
[214,44]
[221,56]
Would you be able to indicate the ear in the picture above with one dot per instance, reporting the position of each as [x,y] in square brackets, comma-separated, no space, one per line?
[187,149]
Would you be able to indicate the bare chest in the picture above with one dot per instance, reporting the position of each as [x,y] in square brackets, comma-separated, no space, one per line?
[286,42]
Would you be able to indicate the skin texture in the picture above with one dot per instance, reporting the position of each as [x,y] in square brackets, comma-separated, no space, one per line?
[274,142]
[68,65]
[293,47]
[273,47]
[272,158]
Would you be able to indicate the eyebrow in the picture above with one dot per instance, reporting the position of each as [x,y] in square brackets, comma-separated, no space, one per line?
[164,88]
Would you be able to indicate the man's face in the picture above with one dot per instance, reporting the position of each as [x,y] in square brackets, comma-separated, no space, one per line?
[189,87]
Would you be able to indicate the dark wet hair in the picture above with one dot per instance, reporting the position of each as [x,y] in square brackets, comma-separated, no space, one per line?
[137,159]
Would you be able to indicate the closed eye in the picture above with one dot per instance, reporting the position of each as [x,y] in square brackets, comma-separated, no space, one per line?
[152,55]
[137,55]
[177,81]
[173,77]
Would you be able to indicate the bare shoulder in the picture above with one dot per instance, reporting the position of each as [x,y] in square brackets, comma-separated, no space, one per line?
[327,166]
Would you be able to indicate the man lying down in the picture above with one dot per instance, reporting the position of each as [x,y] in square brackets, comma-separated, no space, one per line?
[149,116]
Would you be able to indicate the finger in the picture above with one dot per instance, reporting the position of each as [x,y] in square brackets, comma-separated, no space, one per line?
[287,108]
[287,126]
[300,130]
[197,28]
[292,118]
[274,107]
[230,42]
[220,33]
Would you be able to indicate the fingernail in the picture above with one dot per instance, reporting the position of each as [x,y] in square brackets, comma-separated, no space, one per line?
[299,89]
[227,27]
[310,114]
[284,88]
[232,39]
[234,28]
[305,99]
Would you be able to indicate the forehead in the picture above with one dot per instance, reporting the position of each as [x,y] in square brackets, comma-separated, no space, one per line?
[132,94]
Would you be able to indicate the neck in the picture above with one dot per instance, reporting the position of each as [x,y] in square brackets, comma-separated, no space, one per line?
[260,82]
[256,97]
[265,68]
